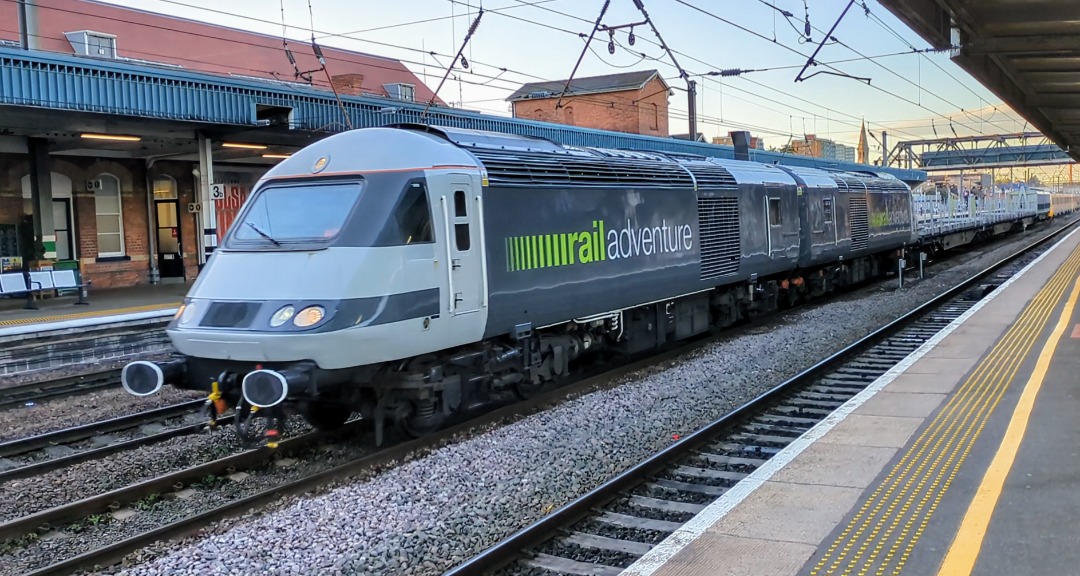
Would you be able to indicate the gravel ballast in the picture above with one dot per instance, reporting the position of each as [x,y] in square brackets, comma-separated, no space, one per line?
[430,514]
[59,413]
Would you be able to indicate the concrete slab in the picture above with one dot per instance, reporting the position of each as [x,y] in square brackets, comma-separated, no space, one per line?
[722,555]
[819,463]
[940,366]
[901,404]
[787,512]
[910,383]
[880,431]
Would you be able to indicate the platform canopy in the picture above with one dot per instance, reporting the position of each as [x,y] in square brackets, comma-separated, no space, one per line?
[1025,51]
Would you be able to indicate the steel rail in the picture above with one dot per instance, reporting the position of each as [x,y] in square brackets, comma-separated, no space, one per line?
[66,386]
[513,548]
[43,466]
[114,552]
[76,433]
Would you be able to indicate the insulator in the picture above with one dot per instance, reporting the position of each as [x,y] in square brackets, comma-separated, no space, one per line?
[611,47]
[632,38]
[464,63]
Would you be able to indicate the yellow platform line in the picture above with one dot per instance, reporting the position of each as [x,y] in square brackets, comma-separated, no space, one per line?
[904,470]
[964,551]
[93,314]
[939,450]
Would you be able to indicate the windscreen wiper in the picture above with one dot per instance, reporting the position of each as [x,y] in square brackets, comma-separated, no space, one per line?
[264,234]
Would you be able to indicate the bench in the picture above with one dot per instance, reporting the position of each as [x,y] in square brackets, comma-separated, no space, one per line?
[18,284]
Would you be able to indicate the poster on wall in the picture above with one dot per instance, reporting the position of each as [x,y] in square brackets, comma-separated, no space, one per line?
[227,208]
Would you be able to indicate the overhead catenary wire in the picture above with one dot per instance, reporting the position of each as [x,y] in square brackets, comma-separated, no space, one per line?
[457,58]
[180,3]
[491,79]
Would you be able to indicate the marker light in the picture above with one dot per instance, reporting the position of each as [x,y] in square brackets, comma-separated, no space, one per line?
[282,316]
[188,314]
[309,316]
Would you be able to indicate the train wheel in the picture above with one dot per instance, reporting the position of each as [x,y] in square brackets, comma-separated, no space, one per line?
[526,388]
[327,416]
[424,418]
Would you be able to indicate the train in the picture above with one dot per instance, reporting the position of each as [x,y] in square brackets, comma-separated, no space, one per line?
[413,272]
[1051,204]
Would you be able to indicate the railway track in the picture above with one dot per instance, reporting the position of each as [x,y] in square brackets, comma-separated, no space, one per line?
[25,457]
[607,529]
[725,467]
[67,386]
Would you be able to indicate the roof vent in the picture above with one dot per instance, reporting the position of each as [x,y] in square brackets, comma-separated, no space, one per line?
[94,44]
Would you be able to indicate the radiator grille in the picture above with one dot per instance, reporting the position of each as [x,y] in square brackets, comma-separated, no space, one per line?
[860,231]
[718,225]
[521,168]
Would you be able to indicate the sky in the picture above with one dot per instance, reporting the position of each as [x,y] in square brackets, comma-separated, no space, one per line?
[911,95]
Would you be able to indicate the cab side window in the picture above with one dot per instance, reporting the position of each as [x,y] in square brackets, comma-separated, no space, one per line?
[414,215]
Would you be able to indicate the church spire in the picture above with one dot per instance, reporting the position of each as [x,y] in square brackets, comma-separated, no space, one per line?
[864,151]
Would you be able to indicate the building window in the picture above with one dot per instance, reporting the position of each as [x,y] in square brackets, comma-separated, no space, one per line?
[110,221]
[655,117]
[569,115]
[406,92]
[164,188]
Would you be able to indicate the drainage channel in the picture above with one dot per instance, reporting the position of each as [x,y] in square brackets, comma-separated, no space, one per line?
[606,530]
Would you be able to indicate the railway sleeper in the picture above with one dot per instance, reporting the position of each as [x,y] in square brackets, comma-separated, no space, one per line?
[561,565]
[731,461]
[586,540]
[685,510]
[788,420]
[638,523]
[705,489]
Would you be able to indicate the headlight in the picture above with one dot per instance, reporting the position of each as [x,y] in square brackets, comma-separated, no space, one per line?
[309,316]
[187,313]
[282,316]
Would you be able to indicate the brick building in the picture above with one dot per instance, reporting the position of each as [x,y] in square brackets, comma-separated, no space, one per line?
[756,142]
[823,148]
[635,102]
[120,185]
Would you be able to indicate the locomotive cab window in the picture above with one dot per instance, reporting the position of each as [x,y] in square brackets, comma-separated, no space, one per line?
[461,224]
[826,208]
[774,212]
[459,204]
[414,215]
[271,218]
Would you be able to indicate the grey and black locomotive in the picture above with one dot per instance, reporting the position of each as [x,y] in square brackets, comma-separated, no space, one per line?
[405,273]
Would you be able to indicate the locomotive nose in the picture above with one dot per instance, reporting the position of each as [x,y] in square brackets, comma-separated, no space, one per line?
[143,378]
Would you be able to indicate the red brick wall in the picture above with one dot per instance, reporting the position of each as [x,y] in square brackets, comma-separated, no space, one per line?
[135,267]
[200,46]
[642,111]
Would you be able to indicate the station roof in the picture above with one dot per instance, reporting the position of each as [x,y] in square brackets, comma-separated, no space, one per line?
[61,98]
[1025,51]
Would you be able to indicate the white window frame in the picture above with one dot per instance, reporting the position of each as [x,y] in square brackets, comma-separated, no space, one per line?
[119,216]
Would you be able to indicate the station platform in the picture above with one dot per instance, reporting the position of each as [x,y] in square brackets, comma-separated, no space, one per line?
[105,305]
[964,459]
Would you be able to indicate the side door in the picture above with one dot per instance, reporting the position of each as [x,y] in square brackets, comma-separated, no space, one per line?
[460,211]
[774,219]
